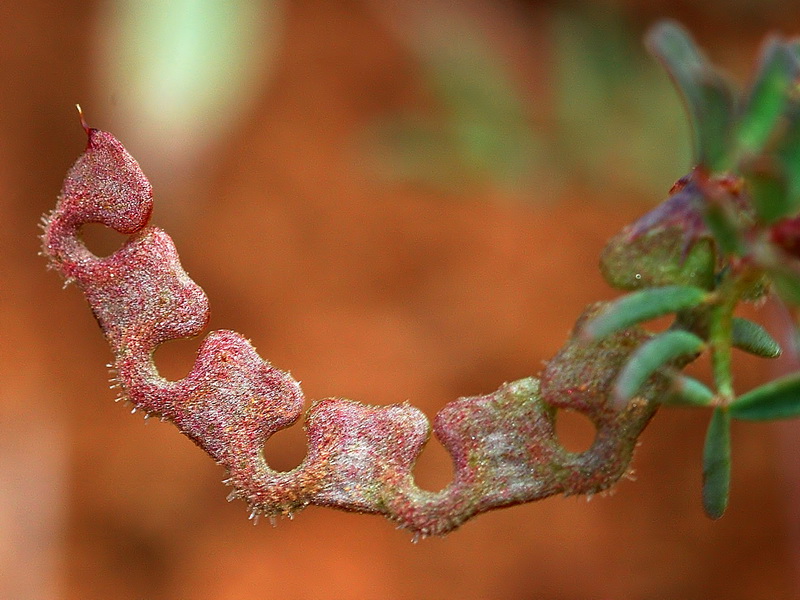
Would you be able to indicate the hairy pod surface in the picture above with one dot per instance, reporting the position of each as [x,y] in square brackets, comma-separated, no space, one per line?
[360,457]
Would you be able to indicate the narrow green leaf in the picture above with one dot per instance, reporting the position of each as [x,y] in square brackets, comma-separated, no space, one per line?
[753,338]
[650,357]
[717,464]
[779,399]
[788,154]
[687,391]
[708,97]
[768,99]
[642,306]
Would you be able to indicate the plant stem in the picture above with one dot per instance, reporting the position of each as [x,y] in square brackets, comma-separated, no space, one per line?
[733,284]
[721,334]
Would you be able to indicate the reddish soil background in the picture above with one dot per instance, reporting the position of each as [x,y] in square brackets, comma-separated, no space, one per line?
[363,289]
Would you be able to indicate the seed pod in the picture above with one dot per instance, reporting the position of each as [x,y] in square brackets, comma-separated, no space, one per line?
[670,245]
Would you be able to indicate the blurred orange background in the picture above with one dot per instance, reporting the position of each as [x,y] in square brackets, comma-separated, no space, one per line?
[395,201]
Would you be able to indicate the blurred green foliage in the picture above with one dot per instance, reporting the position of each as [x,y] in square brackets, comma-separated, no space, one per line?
[619,123]
[481,131]
[183,71]
[608,119]
[742,195]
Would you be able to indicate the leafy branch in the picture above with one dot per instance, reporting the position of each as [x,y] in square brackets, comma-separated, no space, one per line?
[727,234]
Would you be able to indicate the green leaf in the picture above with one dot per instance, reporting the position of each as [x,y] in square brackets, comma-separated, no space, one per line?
[717,464]
[768,99]
[779,399]
[707,95]
[642,306]
[687,391]
[650,357]
[788,154]
[753,338]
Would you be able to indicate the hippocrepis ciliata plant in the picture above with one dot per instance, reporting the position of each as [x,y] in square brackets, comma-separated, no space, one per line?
[728,232]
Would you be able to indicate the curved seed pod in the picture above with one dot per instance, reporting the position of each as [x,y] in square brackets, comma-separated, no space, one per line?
[360,457]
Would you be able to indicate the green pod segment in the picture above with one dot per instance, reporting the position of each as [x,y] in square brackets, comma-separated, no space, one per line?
[670,245]
[657,258]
